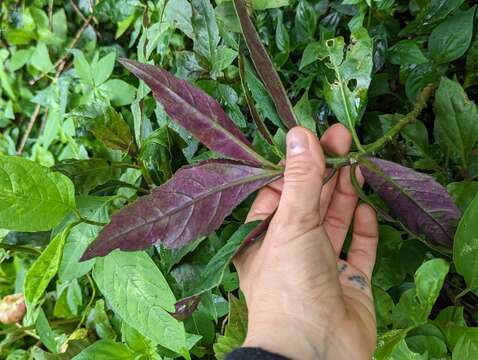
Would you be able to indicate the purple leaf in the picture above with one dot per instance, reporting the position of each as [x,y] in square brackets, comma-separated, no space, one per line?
[197,112]
[185,307]
[416,199]
[264,66]
[193,203]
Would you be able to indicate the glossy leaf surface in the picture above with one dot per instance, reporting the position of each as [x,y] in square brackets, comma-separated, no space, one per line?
[456,125]
[418,201]
[196,111]
[193,203]
[465,249]
[43,270]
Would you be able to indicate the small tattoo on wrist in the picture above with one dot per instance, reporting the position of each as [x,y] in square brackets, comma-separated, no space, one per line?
[342,268]
[359,280]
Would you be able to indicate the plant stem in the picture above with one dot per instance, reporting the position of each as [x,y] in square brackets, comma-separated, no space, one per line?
[26,135]
[26,328]
[21,248]
[463,293]
[91,222]
[419,106]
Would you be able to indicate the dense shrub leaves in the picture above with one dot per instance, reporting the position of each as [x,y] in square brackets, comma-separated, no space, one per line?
[94,143]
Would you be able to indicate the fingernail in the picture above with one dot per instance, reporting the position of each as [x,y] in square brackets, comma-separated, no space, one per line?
[297,141]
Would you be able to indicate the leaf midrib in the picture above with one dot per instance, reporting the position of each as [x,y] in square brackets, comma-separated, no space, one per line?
[396,186]
[189,203]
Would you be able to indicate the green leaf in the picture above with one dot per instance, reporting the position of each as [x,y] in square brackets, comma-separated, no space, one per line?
[104,68]
[43,270]
[402,352]
[427,339]
[310,54]
[33,198]
[213,273]
[471,76]
[431,13]
[223,58]
[347,94]
[268,4]
[264,103]
[429,279]
[107,125]
[236,328]
[387,343]
[106,349]
[383,308]
[178,13]
[465,247]
[99,321]
[416,303]
[206,32]
[138,342]
[82,67]
[45,333]
[40,58]
[138,292]
[86,174]
[406,52]
[455,126]
[450,40]
[463,192]
[93,208]
[119,92]
[304,114]
[466,347]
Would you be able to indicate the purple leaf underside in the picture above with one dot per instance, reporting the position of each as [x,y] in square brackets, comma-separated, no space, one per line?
[193,203]
[196,111]
[416,199]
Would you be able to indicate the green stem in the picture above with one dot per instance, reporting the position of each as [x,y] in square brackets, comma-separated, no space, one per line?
[21,248]
[419,106]
[15,330]
[463,293]
[339,161]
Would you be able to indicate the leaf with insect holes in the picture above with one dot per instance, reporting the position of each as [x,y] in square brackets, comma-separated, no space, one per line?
[347,94]
[192,204]
[416,199]
[264,66]
[196,111]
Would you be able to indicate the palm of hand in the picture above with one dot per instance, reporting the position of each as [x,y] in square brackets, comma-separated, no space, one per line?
[296,287]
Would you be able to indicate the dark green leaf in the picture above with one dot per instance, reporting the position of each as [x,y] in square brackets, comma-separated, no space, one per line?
[450,40]
[455,126]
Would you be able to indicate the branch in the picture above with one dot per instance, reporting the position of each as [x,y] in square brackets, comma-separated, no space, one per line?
[419,106]
[26,135]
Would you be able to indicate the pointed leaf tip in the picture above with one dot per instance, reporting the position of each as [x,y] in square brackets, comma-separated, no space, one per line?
[191,204]
[197,112]
[416,199]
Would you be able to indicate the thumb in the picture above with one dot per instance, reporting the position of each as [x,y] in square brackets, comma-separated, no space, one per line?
[304,171]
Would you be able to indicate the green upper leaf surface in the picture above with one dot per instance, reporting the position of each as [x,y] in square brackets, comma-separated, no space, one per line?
[33,198]
[139,293]
[347,94]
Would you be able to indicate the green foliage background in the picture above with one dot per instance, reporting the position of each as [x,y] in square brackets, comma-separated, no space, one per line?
[66,105]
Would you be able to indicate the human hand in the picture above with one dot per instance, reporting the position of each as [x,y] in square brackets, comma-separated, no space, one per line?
[303,301]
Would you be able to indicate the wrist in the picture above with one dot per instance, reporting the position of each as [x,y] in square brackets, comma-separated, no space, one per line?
[282,336]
